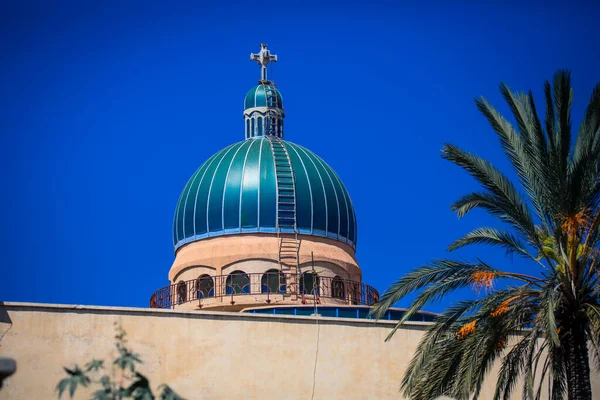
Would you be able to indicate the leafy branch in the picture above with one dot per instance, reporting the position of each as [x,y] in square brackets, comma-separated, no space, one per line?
[130,385]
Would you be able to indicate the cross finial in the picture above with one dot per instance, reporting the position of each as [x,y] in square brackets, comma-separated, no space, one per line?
[263,58]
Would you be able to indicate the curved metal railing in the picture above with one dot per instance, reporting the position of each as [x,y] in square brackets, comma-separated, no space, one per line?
[308,287]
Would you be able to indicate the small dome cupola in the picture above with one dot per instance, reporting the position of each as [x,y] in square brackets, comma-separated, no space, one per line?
[263,105]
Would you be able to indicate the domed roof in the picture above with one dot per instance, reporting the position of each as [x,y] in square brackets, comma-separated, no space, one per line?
[239,190]
[258,96]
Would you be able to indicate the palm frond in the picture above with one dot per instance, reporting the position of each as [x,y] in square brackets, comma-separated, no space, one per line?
[538,136]
[544,374]
[511,141]
[559,379]
[486,345]
[502,193]
[526,151]
[420,362]
[585,167]
[587,137]
[493,237]
[563,97]
[550,120]
[513,364]
[498,209]
[438,280]
[438,271]
[546,317]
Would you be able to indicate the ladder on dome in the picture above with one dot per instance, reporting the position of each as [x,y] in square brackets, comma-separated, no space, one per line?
[289,247]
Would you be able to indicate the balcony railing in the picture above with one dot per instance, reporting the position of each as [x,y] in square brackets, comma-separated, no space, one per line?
[267,287]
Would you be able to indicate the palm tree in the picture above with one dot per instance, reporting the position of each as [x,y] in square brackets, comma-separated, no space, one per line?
[542,326]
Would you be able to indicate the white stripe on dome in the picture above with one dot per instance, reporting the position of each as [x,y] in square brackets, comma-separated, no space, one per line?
[242,184]
[276,188]
[212,159]
[255,93]
[345,194]
[191,183]
[322,186]
[259,173]
[355,238]
[176,221]
[176,216]
[210,188]
[312,215]
[337,201]
[225,185]
[187,196]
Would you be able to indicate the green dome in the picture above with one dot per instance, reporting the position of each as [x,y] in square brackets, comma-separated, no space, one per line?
[251,187]
[259,95]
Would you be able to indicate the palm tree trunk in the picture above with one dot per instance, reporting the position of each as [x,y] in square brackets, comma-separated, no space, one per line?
[577,363]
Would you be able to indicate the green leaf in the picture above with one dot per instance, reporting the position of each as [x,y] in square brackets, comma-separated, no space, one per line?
[501,193]
[103,394]
[94,365]
[127,360]
[140,388]
[105,381]
[493,237]
[76,377]
[166,393]
[62,385]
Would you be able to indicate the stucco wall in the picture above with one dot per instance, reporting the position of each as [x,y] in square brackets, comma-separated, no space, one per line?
[212,355]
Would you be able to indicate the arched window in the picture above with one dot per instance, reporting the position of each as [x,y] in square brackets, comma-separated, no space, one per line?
[268,125]
[273,281]
[259,121]
[205,287]
[338,290]
[237,282]
[309,283]
[252,134]
[247,128]
[181,292]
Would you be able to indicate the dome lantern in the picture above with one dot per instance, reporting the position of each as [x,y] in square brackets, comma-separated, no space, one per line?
[263,105]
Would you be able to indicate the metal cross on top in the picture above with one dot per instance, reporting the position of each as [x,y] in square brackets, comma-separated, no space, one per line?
[263,58]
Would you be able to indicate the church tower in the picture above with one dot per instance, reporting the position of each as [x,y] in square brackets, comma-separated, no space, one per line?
[264,222]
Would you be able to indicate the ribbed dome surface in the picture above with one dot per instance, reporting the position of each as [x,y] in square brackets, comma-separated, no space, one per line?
[235,192]
[257,97]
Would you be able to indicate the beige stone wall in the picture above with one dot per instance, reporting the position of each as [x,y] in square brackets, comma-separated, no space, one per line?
[212,355]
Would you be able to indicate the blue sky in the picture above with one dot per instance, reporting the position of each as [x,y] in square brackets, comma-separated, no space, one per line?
[106,111]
